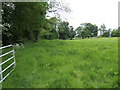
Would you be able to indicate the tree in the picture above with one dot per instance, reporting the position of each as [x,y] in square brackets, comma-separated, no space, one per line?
[63,30]
[30,19]
[57,6]
[7,12]
[25,23]
[116,33]
[72,33]
[110,31]
[87,30]
[106,34]
[102,29]
[79,30]
[51,28]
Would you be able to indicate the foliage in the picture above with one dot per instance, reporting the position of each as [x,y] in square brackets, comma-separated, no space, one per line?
[51,28]
[116,33]
[24,23]
[72,33]
[87,30]
[106,34]
[7,18]
[103,28]
[79,30]
[57,6]
[63,30]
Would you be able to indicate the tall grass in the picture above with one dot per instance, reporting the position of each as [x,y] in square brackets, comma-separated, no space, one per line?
[87,63]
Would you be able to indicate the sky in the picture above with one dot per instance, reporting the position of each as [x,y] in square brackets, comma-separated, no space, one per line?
[94,11]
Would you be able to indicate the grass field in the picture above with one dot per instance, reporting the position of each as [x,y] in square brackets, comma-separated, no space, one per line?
[84,63]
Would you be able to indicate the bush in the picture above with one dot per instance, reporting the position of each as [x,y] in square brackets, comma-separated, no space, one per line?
[106,34]
[116,33]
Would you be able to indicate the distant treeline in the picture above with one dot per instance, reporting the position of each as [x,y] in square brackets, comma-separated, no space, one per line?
[26,22]
[87,30]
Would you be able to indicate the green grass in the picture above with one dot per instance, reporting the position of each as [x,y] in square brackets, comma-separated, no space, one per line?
[84,63]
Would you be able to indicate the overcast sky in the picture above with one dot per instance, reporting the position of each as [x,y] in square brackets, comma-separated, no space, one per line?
[94,11]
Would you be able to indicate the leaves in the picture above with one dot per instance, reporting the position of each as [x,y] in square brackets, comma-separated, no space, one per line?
[24,21]
[87,30]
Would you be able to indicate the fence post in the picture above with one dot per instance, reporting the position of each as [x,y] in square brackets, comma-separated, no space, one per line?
[14,56]
[1,77]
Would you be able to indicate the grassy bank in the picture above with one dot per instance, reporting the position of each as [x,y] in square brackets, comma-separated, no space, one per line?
[85,63]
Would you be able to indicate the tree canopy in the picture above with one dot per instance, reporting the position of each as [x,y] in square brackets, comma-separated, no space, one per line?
[23,21]
[86,30]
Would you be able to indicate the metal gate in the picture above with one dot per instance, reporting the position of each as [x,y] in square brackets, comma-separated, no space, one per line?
[10,60]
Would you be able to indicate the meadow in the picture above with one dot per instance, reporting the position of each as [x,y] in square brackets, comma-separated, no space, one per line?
[81,63]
